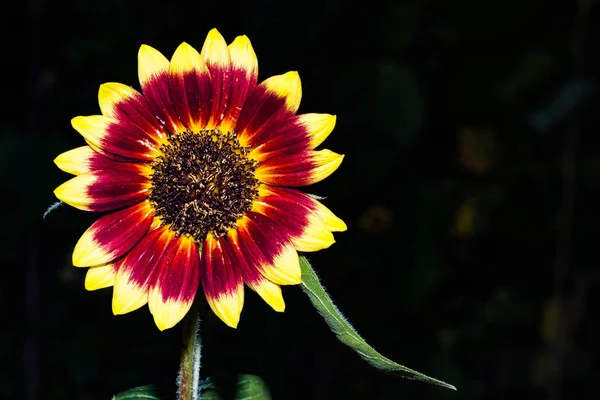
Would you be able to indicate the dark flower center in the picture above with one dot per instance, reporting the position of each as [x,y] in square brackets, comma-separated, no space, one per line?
[203,182]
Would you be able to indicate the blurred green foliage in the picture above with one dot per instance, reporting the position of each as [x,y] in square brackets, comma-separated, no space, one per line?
[461,259]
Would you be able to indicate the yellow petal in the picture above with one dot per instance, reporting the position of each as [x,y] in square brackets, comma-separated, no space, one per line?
[270,293]
[228,307]
[326,162]
[100,277]
[111,94]
[285,269]
[331,221]
[88,252]
[151,63]
[127,296]
[315,237]
[167,314]
[286,86]
[93,128]
[187,59]
[243,55]
[75,161]
[189,70]
[318,126]
[215,50]
[112,235]
[74,191]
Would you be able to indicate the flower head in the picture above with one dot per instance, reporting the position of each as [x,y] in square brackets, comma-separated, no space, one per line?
[194,174]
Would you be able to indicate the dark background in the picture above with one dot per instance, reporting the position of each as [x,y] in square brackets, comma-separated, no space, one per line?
[470,188]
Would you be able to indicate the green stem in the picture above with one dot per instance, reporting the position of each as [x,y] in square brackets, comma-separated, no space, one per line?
[189,370]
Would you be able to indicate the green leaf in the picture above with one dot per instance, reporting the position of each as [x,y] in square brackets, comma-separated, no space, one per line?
[209,391]
[348,335]
[148,392]
[251,387]
[246,387]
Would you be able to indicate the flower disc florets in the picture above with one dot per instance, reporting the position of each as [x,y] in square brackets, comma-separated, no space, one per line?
[203,182]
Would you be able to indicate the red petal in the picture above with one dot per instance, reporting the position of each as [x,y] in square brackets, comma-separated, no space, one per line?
[113,235]
[190,88]
[104,190]
[221,280]
[176,284]
[299,169]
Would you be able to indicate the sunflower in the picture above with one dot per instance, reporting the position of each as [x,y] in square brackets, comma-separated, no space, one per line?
[194,175]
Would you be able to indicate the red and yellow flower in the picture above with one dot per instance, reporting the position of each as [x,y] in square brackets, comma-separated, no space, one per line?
[195,174]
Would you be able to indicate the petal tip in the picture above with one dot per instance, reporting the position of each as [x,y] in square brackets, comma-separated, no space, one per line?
[145,51]
[271,294]
[296,280]
[58,160]
[78,259]
[127,298]
[89,287]
[228,308]
[233,324]
[333,160]
[315,237]
[106,87]
[215,51]
[87,252]
[99,277]
[340,226]
[277,306]
[332,121]
[151,63]
[86,256]
[230,319]
[285,269]
[62,193]
[165,323]
[214,36]
[292,78]
[167,313]
[319,127]
[241,45]
[76,121]
[119,309]
[74,191]
[162,328]
[116,310]
[145,48]
[241,40]
[184,47]
[286,86]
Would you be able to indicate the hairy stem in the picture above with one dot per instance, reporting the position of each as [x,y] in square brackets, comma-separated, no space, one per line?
[188,381]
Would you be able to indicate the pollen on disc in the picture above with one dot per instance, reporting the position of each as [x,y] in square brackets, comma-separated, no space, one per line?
[203,182]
